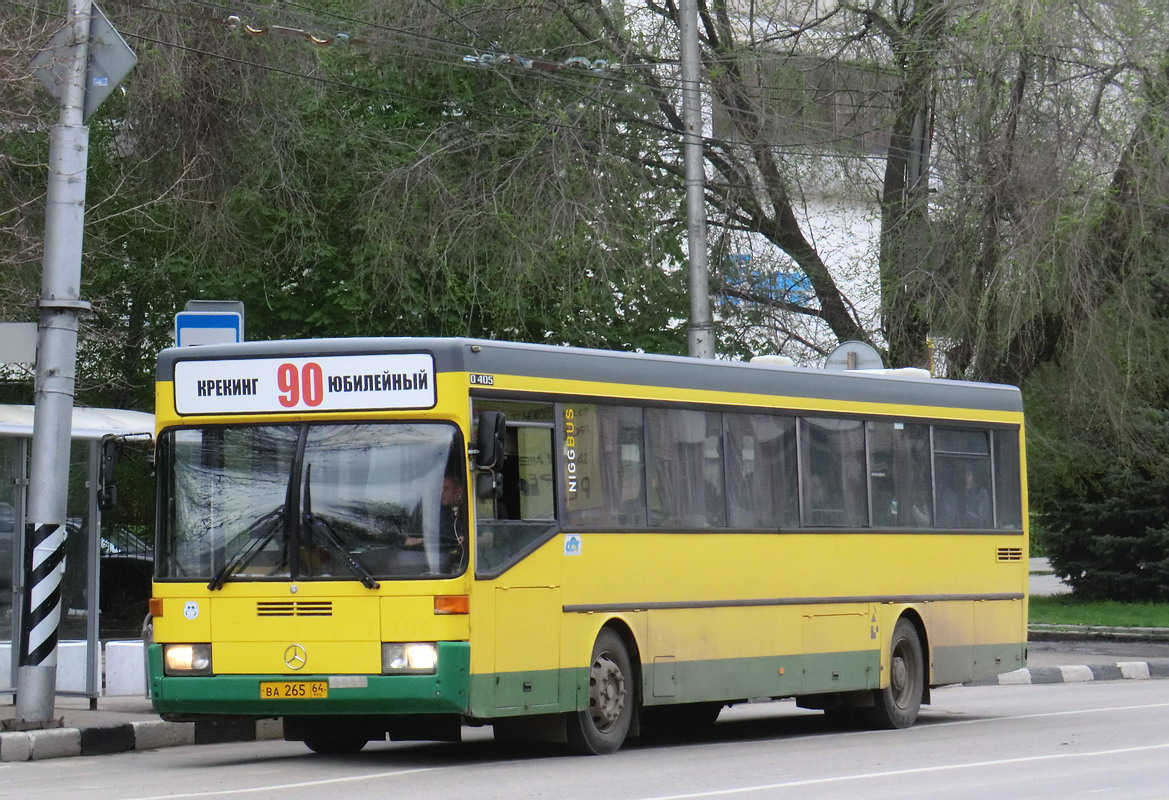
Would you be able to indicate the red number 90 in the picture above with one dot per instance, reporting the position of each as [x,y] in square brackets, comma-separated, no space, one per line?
[293,384]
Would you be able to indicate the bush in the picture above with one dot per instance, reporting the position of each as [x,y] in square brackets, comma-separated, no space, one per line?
[1111,542]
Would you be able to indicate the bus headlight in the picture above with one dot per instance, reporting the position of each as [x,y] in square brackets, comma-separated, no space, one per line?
[187,659]
[415,657]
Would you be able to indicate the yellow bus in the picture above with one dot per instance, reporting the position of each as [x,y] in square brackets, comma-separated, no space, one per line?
[398,537]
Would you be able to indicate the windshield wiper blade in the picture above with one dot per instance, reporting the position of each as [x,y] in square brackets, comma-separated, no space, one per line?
[330,536]
[272,520]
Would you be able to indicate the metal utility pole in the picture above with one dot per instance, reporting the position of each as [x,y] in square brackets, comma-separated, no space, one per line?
[81,65]
[36,677]
[701,335]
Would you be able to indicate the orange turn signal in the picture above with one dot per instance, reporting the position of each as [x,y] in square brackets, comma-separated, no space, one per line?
[452,604]
[155,606]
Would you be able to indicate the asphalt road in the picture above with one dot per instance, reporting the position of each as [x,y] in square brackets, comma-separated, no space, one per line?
[1102,740]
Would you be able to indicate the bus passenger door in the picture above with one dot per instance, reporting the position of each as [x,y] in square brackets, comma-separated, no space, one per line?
[518,550]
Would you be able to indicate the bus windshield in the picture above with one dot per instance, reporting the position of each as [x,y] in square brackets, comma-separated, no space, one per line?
[312,501]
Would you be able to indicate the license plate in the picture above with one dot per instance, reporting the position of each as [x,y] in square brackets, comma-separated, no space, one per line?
[294,690]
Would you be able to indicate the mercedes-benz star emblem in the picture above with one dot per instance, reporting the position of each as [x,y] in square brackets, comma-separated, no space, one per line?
[295,657]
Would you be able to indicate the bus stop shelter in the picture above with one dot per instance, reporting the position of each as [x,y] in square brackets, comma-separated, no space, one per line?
[89,550]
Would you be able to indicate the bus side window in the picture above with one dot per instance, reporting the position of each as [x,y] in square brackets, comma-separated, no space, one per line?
[832,471]
[524,515]
[527,475]
[508,504]
[962,474]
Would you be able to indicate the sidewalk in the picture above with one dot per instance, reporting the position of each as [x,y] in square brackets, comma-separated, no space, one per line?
[119,724]
[1042,580]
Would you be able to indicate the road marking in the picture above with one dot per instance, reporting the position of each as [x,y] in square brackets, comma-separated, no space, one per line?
[929,723]
[275,787]
[897,772]
[1076,712]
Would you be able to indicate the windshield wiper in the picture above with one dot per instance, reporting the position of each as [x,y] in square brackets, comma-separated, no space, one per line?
[330,537]
[262,536]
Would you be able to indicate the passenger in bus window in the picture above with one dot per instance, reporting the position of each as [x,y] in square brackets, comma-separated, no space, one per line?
[966,505]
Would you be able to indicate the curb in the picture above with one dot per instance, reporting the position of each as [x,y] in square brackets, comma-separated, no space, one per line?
[1083,633]
[1122,670]
[145,735]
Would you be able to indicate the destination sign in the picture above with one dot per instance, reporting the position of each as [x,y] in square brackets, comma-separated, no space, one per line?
[320,383]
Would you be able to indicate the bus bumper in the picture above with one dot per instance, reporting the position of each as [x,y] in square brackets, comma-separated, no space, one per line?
[444,692]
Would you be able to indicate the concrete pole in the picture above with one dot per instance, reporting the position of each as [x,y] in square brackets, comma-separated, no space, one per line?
[701,334]
[36,677]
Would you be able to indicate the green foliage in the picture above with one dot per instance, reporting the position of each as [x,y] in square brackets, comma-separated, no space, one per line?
[1100,460]
[1068,609]
[1098,478]
[408,193]
[411,194]
[1110,541]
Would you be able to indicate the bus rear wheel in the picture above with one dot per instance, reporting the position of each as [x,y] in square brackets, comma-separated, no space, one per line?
[896,705]
[602,727]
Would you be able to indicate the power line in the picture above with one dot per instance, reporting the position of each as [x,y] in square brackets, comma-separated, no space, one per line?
[542,73]
[269,67]
[459,22]
[540,67]
[546,70]
[365,89]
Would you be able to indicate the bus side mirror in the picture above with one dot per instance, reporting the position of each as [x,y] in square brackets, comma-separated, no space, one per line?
[110,451]
[489,443]
[488,485]
[107,492]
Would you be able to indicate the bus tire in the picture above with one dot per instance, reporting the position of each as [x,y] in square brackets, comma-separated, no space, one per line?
[335,745]
[601,728]
[896,705]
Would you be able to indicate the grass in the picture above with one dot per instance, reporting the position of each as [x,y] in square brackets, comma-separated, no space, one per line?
[1064,609]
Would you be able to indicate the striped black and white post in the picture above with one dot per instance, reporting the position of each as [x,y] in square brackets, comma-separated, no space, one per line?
[40,621]
[44,568]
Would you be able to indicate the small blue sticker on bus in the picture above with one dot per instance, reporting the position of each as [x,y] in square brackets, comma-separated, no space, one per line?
[571,544]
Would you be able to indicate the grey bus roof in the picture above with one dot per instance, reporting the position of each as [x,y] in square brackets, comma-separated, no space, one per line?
[637,369]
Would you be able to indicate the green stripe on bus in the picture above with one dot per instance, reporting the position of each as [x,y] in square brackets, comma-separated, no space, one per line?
[509,694]
[960,664]
[670,681]
[446,692]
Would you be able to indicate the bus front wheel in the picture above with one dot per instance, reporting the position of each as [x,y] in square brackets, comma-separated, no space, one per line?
[897,704]
[601,728]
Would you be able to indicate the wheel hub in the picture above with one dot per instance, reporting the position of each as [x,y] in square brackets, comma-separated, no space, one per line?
[900,674]
[606,692]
